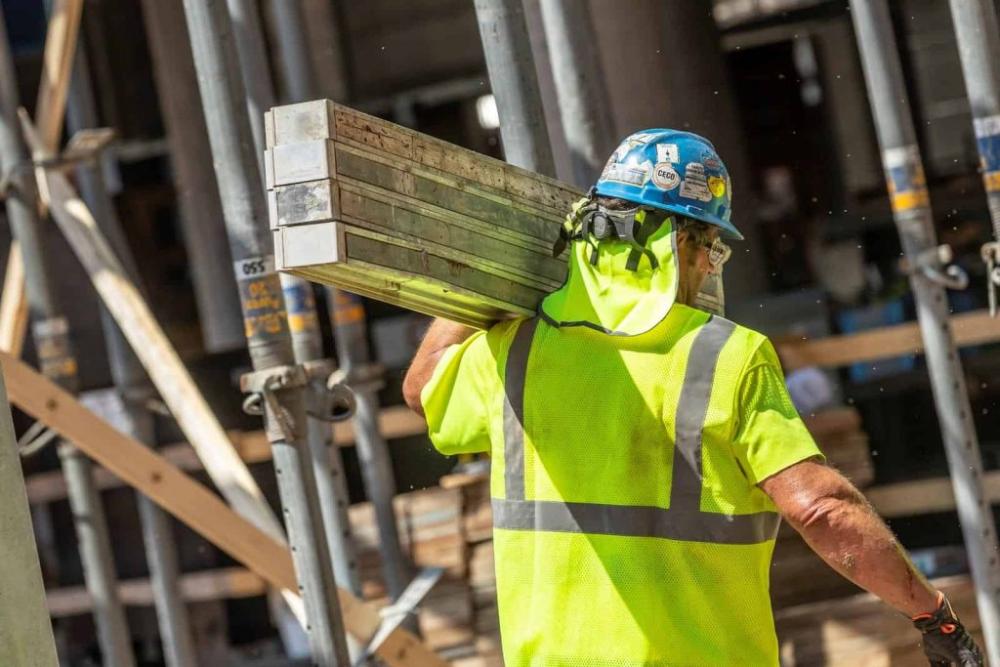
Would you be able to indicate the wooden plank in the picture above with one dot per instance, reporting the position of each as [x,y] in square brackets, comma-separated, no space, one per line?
[165,368]
[252,446]
[223,584]
[925,496]
[974,328]
[189,501]
[57,68]
[13,304]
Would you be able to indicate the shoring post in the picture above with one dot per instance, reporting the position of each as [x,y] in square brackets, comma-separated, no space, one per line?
[133,388]
[978,35]
[580,89]
[352,349]
[277,386]
[503,29]
[928,277]
[50,331]
[300,301]
[25,628]
[194,180]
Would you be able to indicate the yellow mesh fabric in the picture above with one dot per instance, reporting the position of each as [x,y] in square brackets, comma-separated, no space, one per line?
[599,415]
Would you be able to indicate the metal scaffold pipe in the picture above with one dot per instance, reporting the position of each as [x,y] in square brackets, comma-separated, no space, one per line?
[51,334]
[300,301]
[580,89]
[25,629]
[277,386]
[194,180]
[928,278]
[352,349]
[133,388]
[978,34]
[514,82]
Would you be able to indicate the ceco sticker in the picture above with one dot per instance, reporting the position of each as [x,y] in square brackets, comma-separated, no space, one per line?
[665,177]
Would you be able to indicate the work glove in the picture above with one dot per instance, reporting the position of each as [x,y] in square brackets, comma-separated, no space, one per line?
[946,641]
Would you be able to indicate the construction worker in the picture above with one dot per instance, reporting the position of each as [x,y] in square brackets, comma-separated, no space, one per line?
[643,449]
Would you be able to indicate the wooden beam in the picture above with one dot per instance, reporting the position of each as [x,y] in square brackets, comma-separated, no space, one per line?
[222,584]
[13,304]
[189,501]
[57,66]
[57,70]
[252,446]
[974,328]
[925,496]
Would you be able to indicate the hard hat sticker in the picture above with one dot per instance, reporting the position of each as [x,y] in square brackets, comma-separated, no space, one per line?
[667,153]
[665,177]
[717,186]
[695,186]
[631,174]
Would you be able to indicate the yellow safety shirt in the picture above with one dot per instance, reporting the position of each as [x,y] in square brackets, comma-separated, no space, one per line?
[629,528]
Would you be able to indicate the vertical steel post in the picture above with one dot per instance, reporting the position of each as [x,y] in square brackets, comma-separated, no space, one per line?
[25,629]
[350,334]
[307,340]
[278,386]
[583,100]
[51,334]
[914,221]
[133,387]
[514,81]
[978,34]
[191,163]
[352,350]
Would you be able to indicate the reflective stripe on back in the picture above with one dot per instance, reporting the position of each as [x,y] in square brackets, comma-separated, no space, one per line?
[683,520]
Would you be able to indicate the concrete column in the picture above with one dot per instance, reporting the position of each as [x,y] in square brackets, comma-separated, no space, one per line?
[665,67]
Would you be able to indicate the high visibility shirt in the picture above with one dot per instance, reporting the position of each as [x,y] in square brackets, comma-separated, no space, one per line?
[629,528]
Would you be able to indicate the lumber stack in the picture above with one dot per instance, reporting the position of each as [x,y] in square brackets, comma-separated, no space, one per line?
[861,631]
[395,215]
[839,435]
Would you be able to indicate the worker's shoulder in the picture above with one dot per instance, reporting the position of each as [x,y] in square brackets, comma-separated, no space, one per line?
[745,347]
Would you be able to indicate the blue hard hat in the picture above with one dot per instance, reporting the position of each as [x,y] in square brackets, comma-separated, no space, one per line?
[675,171]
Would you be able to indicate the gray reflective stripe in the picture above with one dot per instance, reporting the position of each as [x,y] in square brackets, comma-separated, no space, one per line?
[685,488]
[513,409]
[634,521]
[683,520]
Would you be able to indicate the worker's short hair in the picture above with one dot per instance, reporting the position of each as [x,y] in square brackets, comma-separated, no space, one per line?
[699,233]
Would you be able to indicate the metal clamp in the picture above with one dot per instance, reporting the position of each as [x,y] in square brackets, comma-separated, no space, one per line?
[367,377]
[84,146]
[934,264]
[34,439]
[262,387]
[330,399]
[991,257]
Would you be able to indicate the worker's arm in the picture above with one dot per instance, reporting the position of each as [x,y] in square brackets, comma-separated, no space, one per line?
[844,530]
[441,335]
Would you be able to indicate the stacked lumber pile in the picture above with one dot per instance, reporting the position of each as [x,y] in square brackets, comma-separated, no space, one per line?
[861,631]
[395,215]
[430,530]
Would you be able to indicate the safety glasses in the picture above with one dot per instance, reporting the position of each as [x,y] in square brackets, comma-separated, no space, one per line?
[718,253]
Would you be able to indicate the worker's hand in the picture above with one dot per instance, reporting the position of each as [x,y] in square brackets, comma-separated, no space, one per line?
[946,641]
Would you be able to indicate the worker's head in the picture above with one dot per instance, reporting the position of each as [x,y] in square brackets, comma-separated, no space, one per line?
[700,249]
[677,172]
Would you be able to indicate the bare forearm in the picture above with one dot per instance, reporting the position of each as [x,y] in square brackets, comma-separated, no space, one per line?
[441,335]
[842,528]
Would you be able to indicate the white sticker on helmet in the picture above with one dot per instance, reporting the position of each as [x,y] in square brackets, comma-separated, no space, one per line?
[695,185]
[630,174]
[665,177]
[667,153]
